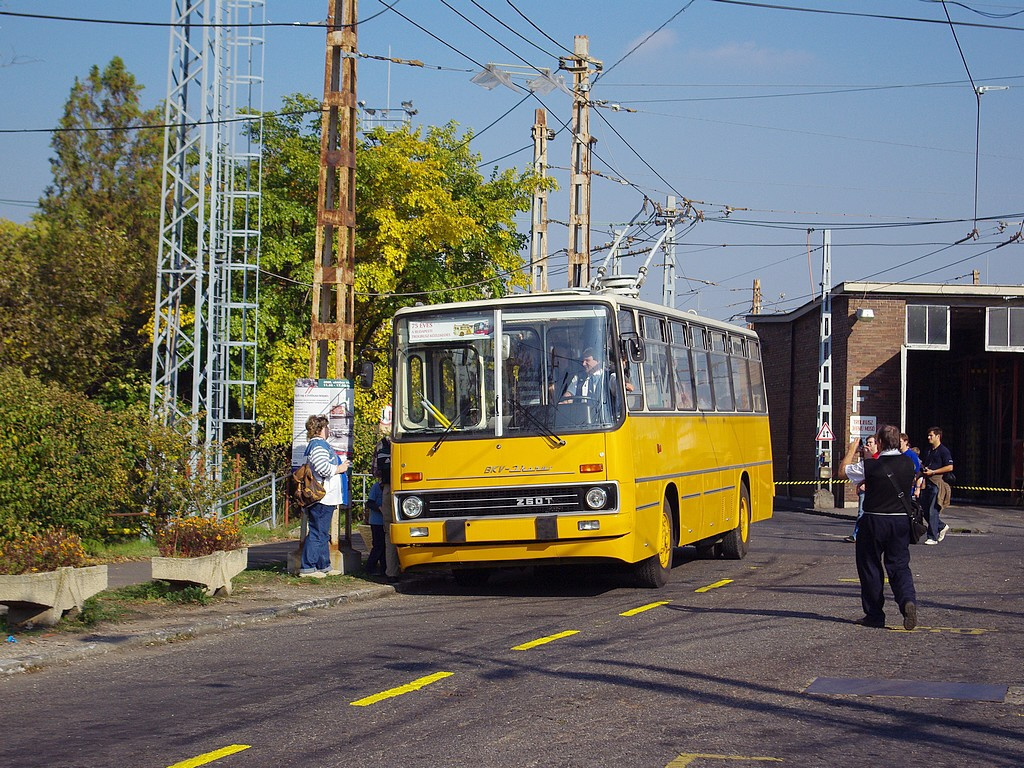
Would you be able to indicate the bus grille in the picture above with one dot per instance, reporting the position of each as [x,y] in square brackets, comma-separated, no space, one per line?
[547,499]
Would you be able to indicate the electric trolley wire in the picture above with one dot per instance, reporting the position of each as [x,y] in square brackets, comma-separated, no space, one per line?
[636,47]
[830,12]
[513,31]
[529,21]
[197,25]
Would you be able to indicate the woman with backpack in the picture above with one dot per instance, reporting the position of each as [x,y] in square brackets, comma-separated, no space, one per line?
[330,469]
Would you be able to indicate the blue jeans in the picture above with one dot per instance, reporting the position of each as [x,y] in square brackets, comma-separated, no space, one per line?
[930,504]
[316,551]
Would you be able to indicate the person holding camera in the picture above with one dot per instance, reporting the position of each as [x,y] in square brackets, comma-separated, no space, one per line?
[884,534]
[868,450]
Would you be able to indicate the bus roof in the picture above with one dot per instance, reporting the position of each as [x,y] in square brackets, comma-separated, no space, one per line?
[581,296]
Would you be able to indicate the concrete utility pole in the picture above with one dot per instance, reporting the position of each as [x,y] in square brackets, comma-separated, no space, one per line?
[539,217]
[579,181]
[755,298]
[668,286]
[334,261]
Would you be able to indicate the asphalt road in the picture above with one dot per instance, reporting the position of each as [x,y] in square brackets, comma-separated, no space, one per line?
[752,662]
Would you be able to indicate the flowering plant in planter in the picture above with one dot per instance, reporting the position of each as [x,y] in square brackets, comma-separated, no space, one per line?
[197,536]
[46,550]
[41,577]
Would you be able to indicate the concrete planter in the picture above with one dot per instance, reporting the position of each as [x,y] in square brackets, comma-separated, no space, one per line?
[42,598]
[211,571]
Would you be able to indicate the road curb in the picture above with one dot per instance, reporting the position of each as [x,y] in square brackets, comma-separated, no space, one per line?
[114,642]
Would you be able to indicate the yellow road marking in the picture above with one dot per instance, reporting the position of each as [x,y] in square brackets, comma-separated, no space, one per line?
[543,640]
[415,685]
[642,608]
[716,585]
[684,760]
[857,581]
[209,757]
[951,630]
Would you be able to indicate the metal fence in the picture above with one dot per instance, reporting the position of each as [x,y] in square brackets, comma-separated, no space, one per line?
[256,502]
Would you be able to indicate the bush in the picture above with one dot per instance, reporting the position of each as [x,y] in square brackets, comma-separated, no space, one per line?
[197,536]
[70,464]
[40,552]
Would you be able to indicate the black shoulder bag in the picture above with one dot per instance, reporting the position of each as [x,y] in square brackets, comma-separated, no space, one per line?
[918,526]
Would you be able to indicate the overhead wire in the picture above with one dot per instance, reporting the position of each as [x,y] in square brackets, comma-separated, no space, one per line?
[977,97]
[859,14]
[319,24]
[514,31]
[530,21]
[636,47]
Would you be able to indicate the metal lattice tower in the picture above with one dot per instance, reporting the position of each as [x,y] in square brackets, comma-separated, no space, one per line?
[204,335]
[825,356]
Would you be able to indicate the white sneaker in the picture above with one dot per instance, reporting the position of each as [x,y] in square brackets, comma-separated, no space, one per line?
[334,572]
[943,532]
[322,575]
[930,541]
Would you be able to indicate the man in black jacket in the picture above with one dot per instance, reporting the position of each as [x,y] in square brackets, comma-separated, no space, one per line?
[884,534]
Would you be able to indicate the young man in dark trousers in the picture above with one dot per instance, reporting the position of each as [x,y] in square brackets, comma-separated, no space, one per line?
[884,534]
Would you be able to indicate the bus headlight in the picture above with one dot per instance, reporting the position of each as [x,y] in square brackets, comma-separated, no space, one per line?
[596,498]
[412,506]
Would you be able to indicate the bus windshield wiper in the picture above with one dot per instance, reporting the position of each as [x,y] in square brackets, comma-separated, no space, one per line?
[540,425]
[452,426]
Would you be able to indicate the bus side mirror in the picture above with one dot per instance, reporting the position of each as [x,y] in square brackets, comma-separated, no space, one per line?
[633,348]
[364,378]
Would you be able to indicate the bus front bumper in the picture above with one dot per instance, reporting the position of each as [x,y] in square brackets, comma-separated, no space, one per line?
[519,539]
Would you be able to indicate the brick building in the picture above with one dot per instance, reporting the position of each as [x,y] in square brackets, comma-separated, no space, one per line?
[911,355]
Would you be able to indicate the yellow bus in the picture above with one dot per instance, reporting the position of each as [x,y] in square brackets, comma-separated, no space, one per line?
[574,427]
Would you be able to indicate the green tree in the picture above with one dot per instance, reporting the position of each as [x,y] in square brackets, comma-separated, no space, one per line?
[429,227]
[86,264]
[106,166]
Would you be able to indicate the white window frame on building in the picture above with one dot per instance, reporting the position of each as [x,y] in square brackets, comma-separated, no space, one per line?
[1008,322]
[932,335]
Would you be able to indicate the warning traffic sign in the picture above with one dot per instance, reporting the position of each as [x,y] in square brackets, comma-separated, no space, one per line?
[825,433]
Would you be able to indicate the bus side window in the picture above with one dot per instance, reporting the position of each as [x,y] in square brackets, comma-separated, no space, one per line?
[702,370]
[740,375]
[721,378]
[681,368]
[657,373]
[760,401]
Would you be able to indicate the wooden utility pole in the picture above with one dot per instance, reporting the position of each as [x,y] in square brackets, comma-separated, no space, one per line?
[579,181]
[334,263]
[539,229]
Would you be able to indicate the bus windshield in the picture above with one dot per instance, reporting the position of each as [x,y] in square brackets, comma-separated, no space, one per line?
[533,370]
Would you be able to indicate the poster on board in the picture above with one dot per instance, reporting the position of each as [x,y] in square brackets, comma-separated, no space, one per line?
[333,398]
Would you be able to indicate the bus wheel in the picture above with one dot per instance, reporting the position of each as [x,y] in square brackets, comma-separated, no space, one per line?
[471,577]
[734,545]
[654,571]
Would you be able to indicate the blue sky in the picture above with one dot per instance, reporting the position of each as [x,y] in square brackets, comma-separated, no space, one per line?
[773,121]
